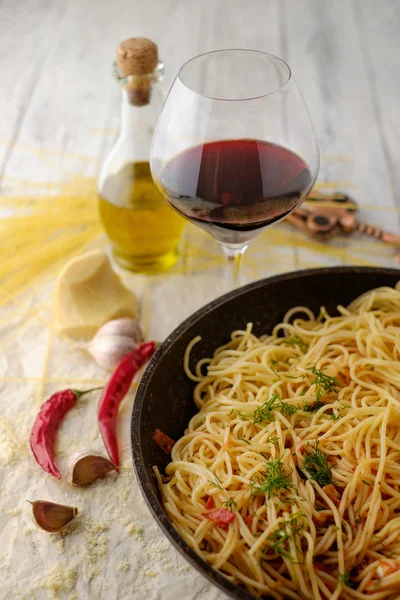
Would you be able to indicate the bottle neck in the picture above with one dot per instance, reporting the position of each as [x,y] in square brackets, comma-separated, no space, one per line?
[141,103]
[137,117]
[137,128]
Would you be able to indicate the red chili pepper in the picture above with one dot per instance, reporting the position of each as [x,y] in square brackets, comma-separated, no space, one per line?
[222,516]
[115,391]
[162,440]
[210,503]
[46,425]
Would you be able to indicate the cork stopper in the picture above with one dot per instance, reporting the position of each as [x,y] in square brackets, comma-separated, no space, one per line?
[136,59]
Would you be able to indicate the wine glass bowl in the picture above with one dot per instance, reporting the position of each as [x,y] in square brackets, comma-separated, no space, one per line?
[234,149]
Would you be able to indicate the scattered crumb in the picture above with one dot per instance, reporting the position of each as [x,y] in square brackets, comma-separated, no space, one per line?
[96,545]
[60,545]
[157,550]
[27,530]
[10,451]
[94,573]
[145,572]
[123,566]
[183,569]
[135,531]
[14,512]
[58,579]
[149,573]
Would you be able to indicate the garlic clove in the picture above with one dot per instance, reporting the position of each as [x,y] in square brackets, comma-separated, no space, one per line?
[129,327]
[52,517]
[86,466]
[109,350]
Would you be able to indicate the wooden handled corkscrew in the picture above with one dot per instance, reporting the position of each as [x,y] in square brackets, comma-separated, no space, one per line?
[323,216]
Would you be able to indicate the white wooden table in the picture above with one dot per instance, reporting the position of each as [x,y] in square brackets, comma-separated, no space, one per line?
[59,112]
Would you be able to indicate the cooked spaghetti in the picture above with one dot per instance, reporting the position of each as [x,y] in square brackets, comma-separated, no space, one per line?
[287,480]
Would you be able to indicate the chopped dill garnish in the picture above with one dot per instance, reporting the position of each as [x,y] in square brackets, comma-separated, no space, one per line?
[292,376]
[244,440]
[335,416]
[378,537]
[297,342]
[366,483]
[273,439]
[216,484]
[344,579]
[289,501]
[377,583]
[335,528]
[278,540]
[272,480]
[317,466]
[310,407]
[265,412]
[301,474]
[323,383]
[231,504]
[287,409]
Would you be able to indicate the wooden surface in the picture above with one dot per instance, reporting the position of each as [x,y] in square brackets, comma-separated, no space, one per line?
[59,111]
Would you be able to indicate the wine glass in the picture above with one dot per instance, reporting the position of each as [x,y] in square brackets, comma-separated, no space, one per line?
[234,149]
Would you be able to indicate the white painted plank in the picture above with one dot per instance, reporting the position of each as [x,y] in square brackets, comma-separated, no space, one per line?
[324,51]
[27,32]
[379,32]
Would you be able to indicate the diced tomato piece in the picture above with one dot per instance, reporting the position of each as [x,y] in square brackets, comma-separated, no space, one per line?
[320,567]
[248,520]
[210,503]
[319,519]
[163,441]
[301,447]
[332,493]
[386,567]
[222,517]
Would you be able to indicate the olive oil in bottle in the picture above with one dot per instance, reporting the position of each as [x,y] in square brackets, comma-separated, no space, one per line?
[144,231]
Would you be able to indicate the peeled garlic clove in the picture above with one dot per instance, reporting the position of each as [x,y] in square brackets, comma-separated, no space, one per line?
[109,350]
[128,327]
[52,517]
[86,466]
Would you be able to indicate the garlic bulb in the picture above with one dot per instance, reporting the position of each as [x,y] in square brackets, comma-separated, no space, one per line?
[52,517]
[113,341]
[86,466]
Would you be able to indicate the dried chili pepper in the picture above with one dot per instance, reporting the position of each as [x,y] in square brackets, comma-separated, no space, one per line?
[163,441]
[46,425]
[114,392]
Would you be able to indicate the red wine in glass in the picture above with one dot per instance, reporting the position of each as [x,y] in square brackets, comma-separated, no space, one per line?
[239,185]
[234,149]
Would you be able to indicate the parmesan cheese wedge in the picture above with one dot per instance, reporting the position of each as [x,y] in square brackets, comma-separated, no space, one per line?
[89,294]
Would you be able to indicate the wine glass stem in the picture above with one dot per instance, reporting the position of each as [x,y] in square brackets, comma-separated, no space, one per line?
[234,253]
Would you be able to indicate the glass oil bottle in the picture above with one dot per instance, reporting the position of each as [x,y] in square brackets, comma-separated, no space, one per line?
[144,231]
